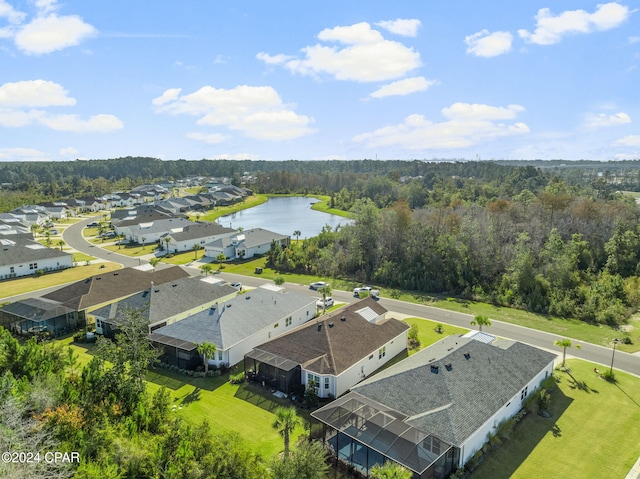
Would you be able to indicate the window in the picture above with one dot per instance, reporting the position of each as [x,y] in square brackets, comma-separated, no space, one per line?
[382,352]
[12,270]
[219,355]
[523,394]
[326,383]
[312,379]
[33,265]
[288,321]
[371,357]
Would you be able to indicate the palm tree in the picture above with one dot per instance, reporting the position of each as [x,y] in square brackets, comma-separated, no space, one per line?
[206,268]
[220,258]
[325,291]
[564,344]
[196,248]
[167,240]
[61,244]
[143,240]
[481,320]
[208,350]
[154,262]
[34,229]
[390,470]
[297,234]
[285,422]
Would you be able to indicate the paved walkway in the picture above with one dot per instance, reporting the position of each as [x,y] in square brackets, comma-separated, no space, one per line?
[634,473]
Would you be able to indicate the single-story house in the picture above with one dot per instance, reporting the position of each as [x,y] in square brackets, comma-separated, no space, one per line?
[20,256]
[164,304]
[245,244]
[335,351]
[432,411]
[235,326]
[153,230]
[202,233]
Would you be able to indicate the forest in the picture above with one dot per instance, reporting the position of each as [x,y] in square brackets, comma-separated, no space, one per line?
[550,237]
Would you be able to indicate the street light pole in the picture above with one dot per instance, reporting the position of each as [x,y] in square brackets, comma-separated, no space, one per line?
[615,341]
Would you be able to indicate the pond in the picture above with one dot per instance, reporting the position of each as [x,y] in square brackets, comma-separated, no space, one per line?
[285,215]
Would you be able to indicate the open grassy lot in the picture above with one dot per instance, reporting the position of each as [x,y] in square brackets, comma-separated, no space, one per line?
[81,257]
[183,258]
[132,250]
[323,205]
[219,211]
[15,286]
[427,332]
[593,431]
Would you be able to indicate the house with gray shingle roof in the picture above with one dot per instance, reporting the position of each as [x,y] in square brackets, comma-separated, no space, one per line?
[21,256]
[335,351]
[235,326]
[432,411]
[200,233]
[164,304]
[245,244]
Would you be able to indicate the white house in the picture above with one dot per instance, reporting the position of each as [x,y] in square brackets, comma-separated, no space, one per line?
[200,233]
[20,256]
[245,244]
[153,230]
[235,326]
[432,411]
[335,351]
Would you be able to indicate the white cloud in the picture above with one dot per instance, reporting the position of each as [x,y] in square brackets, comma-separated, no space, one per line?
[552,28]
[488,44]
[73,123]
[601,120]
[476,111]
[51,33]
[257,112]
[11,14]
[33,93]
[169,95]
[46,6]
[466,127]
[69,152]
[18,118]
[22,154]
[403,87]
[630,140]
[401,26]
[364,56]
[211,138]
[633,40]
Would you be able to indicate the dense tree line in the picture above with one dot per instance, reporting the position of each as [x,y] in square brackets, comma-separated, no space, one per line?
[564,251]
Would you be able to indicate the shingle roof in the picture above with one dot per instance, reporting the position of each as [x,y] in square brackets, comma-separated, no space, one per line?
[200,230]
[18,249]
[166,300]
[473,381]
[238,318]
[110,286]
[329,345]
[259,236]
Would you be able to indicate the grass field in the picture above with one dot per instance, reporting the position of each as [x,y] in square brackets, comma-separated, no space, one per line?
[131,250]
[24,285]
[323,205]
[249,202]
[593,431]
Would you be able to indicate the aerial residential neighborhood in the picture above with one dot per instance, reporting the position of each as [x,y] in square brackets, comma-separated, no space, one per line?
[319,240]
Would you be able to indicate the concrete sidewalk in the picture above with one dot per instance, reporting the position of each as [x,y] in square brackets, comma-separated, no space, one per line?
[634,473]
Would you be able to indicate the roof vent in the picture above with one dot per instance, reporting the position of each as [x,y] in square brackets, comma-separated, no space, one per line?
[115,274]
[156,290]
[448,366]
[331,325]
[434,369]
[174,285]
[319,326]
[467,355]
[343,319]
[98,278]
[247,297]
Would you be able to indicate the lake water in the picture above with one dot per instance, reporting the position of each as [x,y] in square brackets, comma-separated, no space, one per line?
[285,215]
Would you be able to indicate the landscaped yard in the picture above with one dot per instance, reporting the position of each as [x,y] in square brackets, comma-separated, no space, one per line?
[16,286]
[593,431]
[132,250]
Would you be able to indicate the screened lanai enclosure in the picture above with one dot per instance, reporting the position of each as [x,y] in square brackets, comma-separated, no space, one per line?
[33,316]
[363,433]
[274,371]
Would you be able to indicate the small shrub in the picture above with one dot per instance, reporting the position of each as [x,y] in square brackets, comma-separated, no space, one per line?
[544,402]
[609,376]
[627,340]
[236,378]
[439,329]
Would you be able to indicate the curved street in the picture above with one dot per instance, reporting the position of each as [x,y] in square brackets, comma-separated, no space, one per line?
[589,352]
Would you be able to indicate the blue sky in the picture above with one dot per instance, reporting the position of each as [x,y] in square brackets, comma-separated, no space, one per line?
[304,80]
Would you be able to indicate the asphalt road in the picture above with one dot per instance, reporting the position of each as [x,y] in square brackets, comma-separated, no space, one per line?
[590,352]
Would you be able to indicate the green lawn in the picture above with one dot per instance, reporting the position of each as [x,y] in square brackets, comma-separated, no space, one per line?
[593,432]
[323,205]
[182,258]
[246,409]
[132,250]
[427,333]
[219,211]
[11,287]
[81,257]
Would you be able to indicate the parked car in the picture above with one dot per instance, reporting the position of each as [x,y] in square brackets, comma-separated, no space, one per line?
[318,285]
[321,303]
[236,285]
[374,293]
[54,232]
[93,225]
